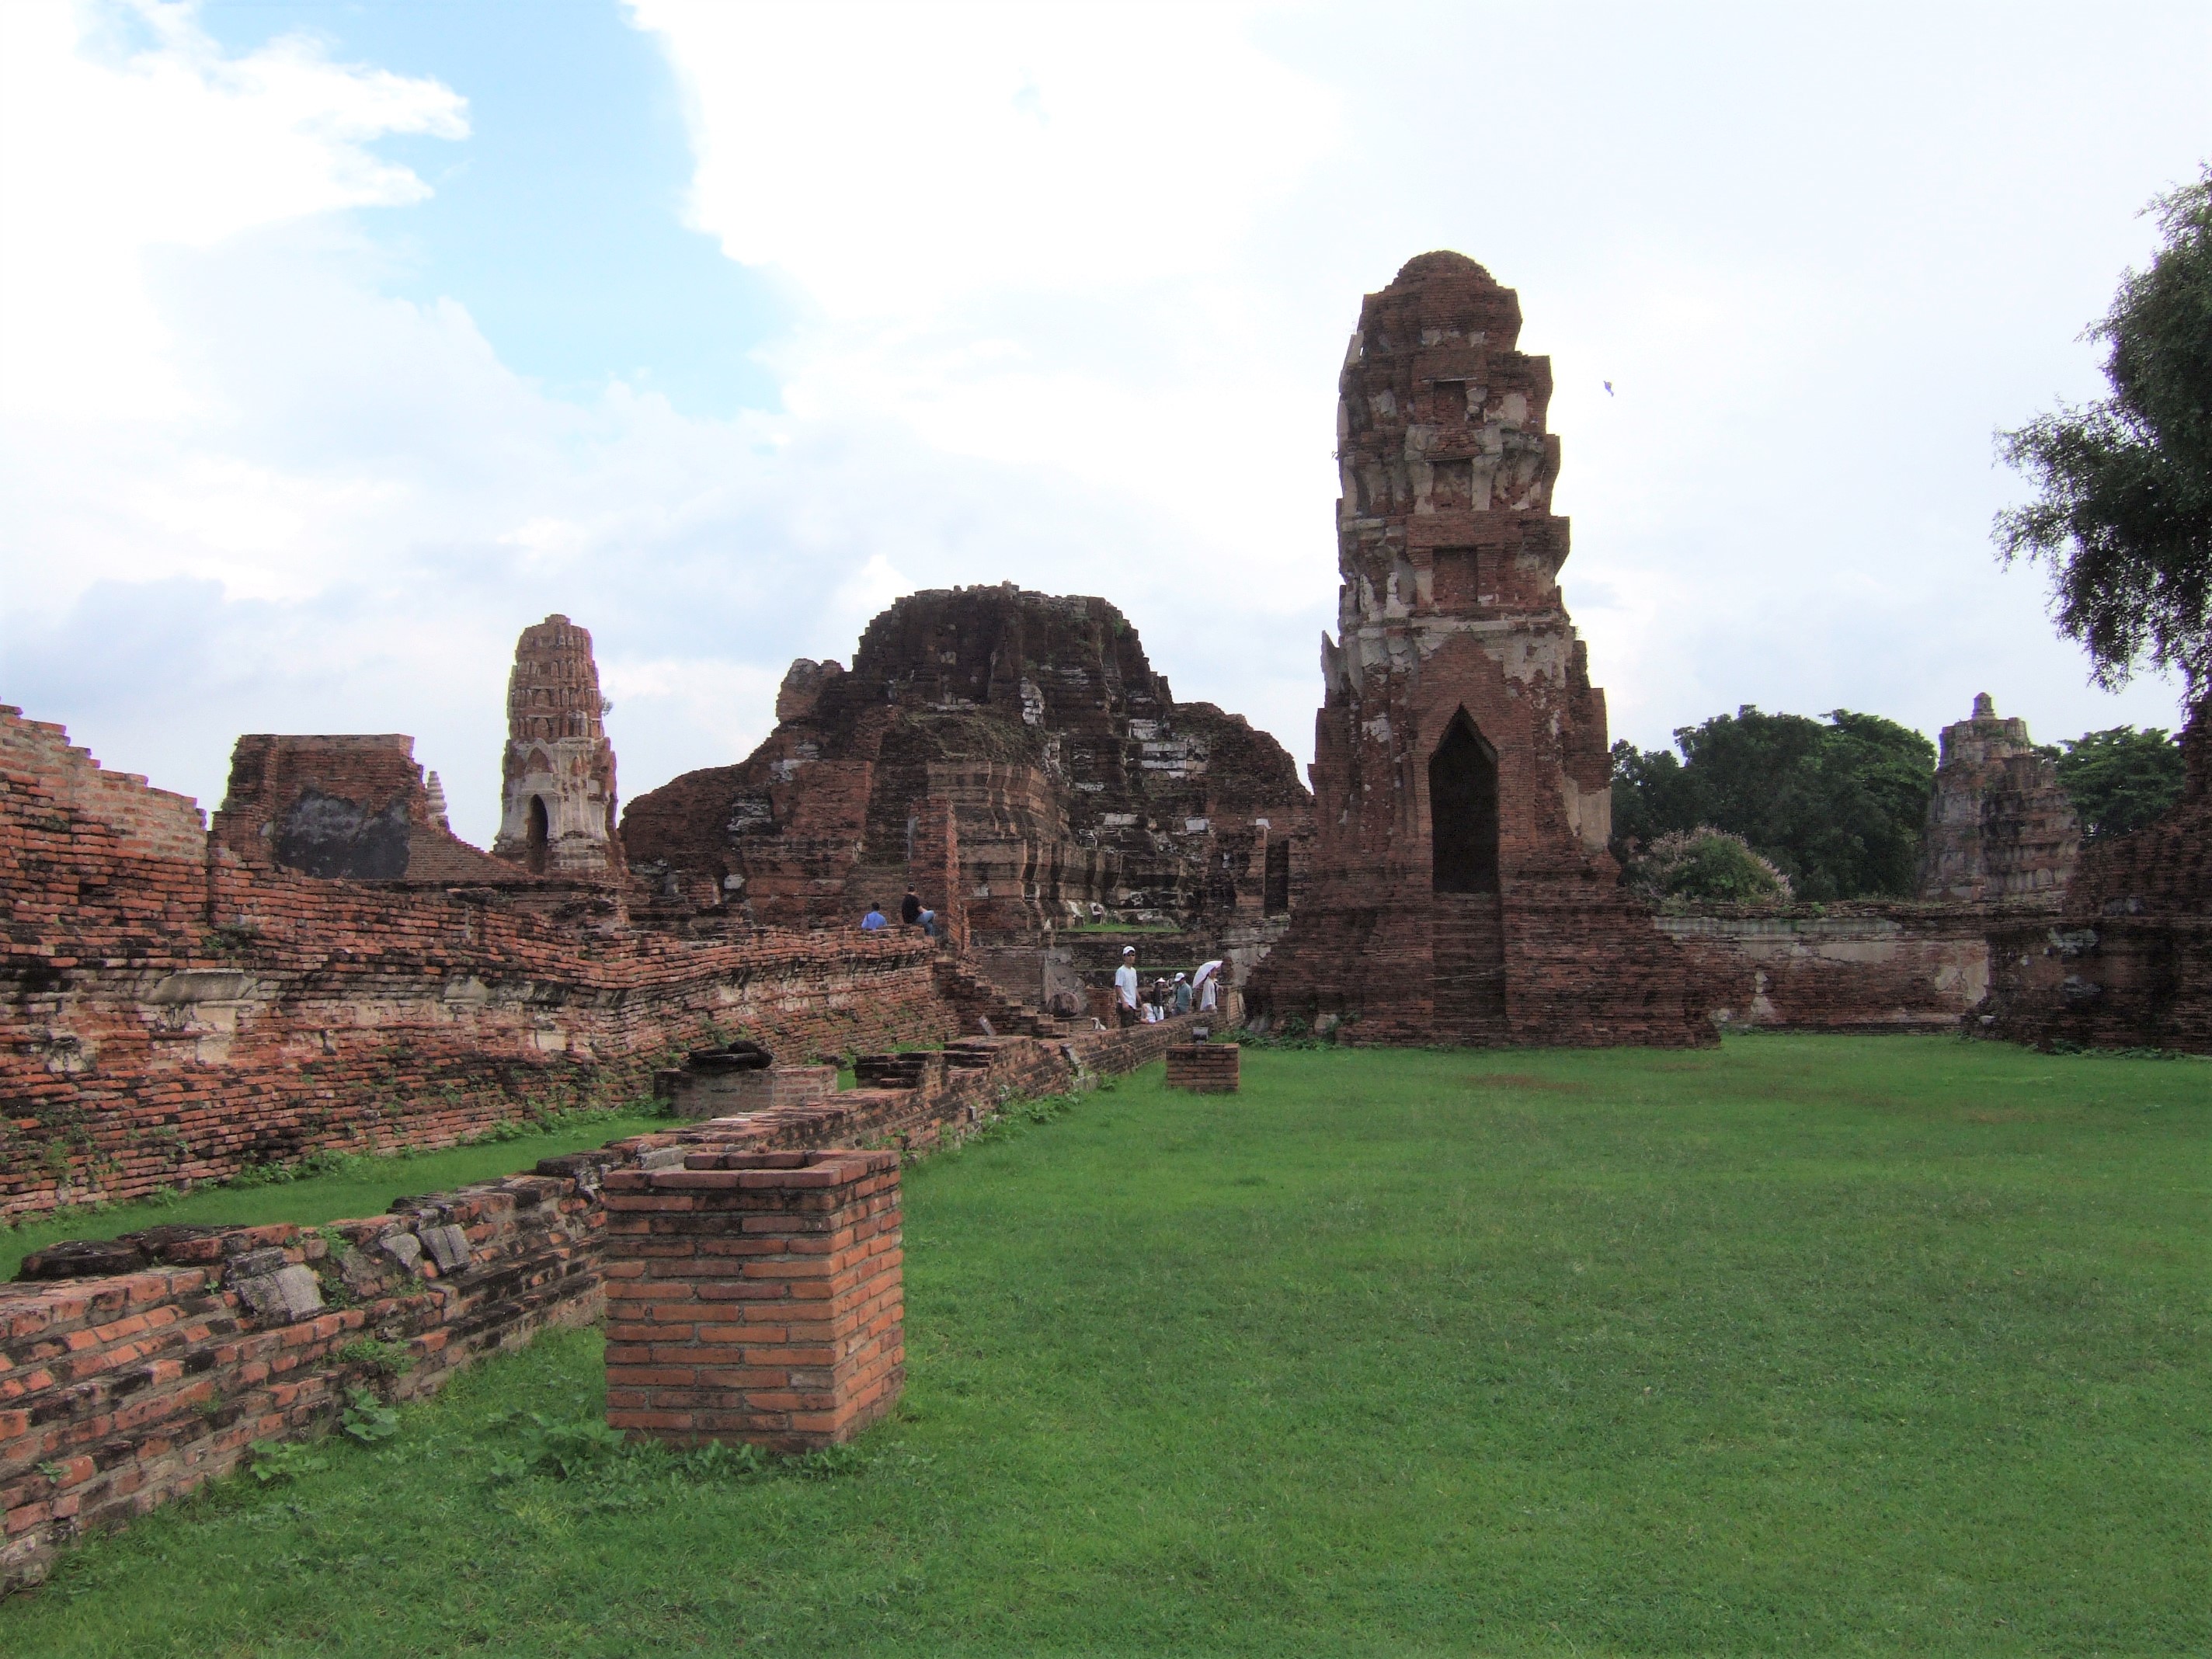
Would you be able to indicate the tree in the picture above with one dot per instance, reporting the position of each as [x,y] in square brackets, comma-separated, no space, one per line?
[1836,807]
[2122,515]
[2122,779]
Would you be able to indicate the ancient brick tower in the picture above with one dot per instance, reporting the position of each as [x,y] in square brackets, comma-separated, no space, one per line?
[557,780]
[1999,825]
[1461,889]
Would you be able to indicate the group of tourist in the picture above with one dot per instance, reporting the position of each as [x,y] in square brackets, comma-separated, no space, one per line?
[912,913]
[1137,1004]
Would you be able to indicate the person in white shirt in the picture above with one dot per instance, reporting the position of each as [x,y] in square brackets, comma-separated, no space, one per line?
[1125,986]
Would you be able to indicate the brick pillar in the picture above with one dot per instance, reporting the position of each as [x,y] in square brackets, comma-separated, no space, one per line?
[1205,1068]
[754,1295]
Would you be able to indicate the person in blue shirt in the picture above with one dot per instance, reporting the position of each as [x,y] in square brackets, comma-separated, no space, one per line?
[873,923]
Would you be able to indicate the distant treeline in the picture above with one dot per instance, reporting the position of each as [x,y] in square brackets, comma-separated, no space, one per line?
[1837,804]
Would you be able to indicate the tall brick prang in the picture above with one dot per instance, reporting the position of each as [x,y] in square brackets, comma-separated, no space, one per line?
[557,774]
[755,1296]
[1461,889]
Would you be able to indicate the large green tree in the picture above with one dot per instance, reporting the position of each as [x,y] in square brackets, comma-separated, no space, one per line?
[1836,805]
[2123,512]
[2122,779]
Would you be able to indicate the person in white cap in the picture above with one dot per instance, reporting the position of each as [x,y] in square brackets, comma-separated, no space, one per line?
[1125,987]
[1181,992]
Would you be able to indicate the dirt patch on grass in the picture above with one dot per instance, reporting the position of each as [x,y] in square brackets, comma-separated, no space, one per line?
[1525,1080]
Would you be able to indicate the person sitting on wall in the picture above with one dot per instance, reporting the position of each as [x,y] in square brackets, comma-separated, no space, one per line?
[910,908]
[1182,993]
[873,923]
[1125,987]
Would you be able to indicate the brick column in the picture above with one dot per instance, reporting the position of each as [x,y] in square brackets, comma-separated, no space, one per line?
[754,1295]
[1205,1068]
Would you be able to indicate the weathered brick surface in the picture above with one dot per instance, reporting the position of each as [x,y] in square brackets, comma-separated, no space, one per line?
[1999,825]
[137,1386]
[2128,961]
[755,1296]
[1492,912]
[357,807]
[120,1393]
[1205,1068]
[170,1014]
[1864,966]
[1071,774]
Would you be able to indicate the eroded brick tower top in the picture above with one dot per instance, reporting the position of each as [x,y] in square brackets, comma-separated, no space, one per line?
[558,777]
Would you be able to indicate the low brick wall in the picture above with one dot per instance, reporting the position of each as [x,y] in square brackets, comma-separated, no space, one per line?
[1869,965]
[121,1392]
[755,1296]
[1205,1068]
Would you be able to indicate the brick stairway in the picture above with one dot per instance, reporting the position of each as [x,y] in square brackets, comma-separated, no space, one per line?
[1469,954]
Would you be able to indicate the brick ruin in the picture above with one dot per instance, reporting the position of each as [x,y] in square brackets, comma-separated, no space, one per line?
[1013,756]
[177,1004]
[557,773]
[2000,828]
[134,1369]
[1461,889]
[2127,960]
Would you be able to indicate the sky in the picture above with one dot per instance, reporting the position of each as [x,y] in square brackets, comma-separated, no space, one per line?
[339,342]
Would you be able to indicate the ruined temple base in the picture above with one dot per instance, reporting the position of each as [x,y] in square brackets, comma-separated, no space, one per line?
[755,1296]
[2103,983]
[1571,962]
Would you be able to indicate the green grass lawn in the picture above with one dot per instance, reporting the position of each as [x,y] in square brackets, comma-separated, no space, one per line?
[1883,1345]
[356,1185]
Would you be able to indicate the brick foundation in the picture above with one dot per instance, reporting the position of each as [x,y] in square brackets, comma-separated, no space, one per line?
[150,1370]
[756,1297]
[1205,1068]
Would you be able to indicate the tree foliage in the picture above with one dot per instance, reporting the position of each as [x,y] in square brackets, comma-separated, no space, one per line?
[1836,806]
[2123,513]
[2122,779]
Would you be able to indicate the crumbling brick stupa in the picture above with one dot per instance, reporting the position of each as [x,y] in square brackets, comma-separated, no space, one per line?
[557,773]
[2001,828]
[1011,754]
[1461,889]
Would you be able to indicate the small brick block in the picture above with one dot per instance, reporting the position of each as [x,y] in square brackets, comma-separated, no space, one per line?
[815,1349]
[1205,1068]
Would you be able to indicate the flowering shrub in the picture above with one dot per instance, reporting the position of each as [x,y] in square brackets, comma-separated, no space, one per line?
[1705,863]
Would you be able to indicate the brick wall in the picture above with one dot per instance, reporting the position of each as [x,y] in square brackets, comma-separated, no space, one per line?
[169,1015]
[1865,966]
[120,1392]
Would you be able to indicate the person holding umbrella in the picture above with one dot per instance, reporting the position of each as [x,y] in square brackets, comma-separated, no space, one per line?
[1207,982]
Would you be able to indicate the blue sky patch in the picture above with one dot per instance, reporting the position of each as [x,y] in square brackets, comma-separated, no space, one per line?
[558,222]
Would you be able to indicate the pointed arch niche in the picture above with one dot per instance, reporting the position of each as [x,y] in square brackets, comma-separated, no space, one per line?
[534,846]
[1463,810]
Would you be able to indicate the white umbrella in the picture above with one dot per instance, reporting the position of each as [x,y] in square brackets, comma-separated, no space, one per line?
[1207,970]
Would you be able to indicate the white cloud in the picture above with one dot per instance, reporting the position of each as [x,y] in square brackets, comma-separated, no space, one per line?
[173,145]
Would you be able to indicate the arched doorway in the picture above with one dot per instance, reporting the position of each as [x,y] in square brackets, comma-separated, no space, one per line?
[1463,810]
[540,830]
